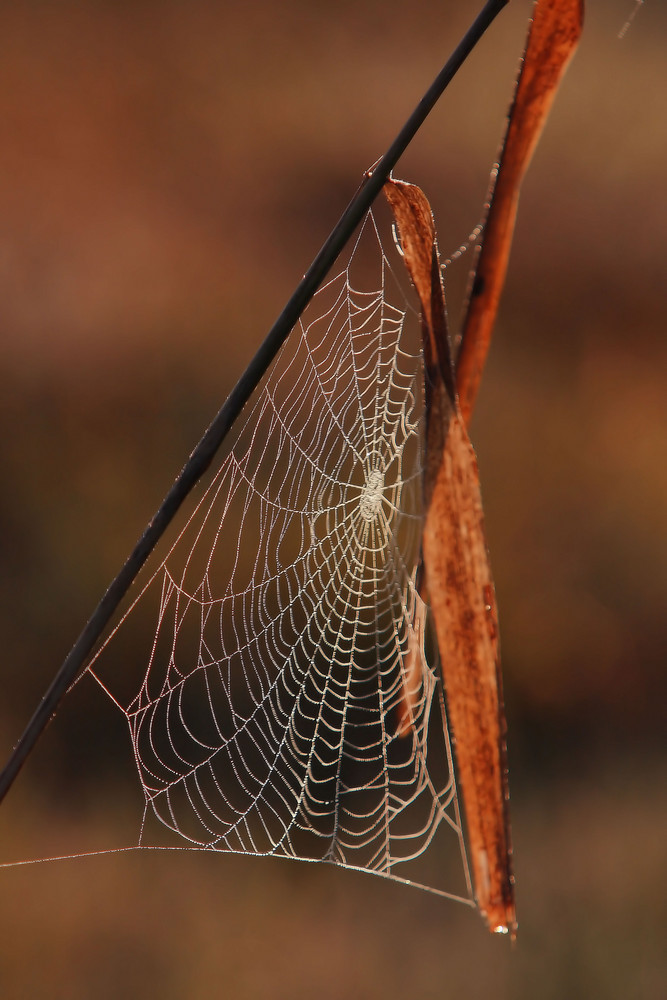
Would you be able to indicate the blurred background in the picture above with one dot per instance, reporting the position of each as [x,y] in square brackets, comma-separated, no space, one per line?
[168,171]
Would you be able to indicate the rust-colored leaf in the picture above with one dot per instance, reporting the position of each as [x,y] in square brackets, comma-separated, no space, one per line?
[552,40]
[413,666]
[458,580]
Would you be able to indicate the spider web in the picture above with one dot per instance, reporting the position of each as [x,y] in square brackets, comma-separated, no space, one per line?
[286,701]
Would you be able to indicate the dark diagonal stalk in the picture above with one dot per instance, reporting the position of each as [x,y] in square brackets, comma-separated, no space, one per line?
[203,454]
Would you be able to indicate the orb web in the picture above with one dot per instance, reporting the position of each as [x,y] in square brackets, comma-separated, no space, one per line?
[286,700]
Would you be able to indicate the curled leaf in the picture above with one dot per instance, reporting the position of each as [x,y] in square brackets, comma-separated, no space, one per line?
[458,579]
[552,40]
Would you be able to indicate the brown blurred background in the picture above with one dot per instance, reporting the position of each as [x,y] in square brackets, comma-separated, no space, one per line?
[160,162]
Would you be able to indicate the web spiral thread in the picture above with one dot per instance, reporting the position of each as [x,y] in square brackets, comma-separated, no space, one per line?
[268,712]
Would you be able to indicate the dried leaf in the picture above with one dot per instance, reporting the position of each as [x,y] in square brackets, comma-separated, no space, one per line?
[413,665]
[552,40]
[458,579]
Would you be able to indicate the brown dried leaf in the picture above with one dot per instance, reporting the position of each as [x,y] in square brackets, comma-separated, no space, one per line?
[413,666]
[458,580]
[552,40]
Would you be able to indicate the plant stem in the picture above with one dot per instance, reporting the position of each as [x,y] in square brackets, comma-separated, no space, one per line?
[203,454]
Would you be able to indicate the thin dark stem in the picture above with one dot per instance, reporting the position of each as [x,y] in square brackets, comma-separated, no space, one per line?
[203,454]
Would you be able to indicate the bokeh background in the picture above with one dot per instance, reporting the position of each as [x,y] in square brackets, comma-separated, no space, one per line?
[168,171]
